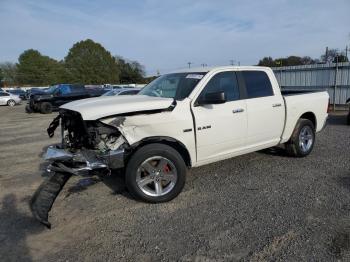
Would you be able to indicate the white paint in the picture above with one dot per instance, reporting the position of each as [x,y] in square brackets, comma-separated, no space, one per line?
[259,126]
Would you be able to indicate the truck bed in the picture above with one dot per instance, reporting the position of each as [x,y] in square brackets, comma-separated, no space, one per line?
[297,103]
[290,92]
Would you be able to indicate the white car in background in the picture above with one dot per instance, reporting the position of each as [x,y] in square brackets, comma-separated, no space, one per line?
[9,99]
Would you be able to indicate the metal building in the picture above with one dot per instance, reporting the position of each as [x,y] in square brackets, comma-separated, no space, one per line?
[333,77]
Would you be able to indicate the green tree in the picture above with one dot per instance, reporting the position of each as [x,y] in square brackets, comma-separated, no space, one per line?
[35,69]
[9,74]
[267,61]
[287,61]
[88,62]
[333,55]
[130,72]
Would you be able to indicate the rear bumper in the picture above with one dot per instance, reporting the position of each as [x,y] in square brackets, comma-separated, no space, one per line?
[82,161]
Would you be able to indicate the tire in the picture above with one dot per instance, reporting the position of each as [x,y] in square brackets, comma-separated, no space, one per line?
[28,109]
[11,103]
[155,173]
[302,140]
[45,108]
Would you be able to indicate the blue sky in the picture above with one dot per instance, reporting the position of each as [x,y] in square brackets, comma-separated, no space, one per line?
[165,35]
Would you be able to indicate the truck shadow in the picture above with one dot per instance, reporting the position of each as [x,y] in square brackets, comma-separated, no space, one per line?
[275,151]
[337,119]
[15,226]
[115,181]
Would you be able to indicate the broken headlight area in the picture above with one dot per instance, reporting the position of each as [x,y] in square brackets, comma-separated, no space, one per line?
[87,147]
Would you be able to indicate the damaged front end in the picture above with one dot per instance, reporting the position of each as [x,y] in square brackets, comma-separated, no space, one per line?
[87,147]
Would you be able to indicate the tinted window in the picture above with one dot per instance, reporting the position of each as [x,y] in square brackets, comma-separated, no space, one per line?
[257,84]
[77,88]
[4,94]
[65,89]
[223,82]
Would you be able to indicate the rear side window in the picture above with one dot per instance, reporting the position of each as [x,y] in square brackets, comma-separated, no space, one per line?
[223,82]
[257,84]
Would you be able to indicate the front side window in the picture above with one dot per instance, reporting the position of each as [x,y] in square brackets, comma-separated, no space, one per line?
[65,89]
[177,85]
[223,82]
[257,84]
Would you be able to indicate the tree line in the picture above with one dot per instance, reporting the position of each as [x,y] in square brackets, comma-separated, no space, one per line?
[87,62]
[331,56]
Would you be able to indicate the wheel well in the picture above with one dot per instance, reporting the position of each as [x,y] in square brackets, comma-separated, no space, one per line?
[310,116]
[178,146]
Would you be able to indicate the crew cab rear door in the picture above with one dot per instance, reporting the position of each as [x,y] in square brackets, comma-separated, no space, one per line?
[265,109]
[220,128]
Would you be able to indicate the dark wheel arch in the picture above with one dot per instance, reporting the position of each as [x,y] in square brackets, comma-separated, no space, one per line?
[172,142]
[310,116]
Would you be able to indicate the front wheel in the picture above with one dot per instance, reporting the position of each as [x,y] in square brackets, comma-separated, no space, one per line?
[302,140]
[156,173]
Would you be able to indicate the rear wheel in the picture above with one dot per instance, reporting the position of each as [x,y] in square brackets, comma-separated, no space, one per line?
[156,173]
[11,103]
[302,140]
[46,108]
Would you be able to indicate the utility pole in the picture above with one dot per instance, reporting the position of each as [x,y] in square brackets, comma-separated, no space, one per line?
[239,63]
[189,64]
[232,62]
[346,52]
[326,55]
[335,81]
[204,65]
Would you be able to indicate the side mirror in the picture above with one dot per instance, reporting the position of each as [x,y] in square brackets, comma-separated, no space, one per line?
[212,98]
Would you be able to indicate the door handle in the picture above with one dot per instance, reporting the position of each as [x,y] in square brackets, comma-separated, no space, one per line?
[238,110]
[276,105]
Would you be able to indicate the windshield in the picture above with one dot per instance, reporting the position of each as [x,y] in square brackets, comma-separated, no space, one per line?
[177,85]
[111,93]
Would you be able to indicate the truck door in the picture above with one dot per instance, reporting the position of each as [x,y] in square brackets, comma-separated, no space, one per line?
[220,128]
[265,110]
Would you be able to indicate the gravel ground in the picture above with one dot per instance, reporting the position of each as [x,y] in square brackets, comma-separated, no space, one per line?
[263,206]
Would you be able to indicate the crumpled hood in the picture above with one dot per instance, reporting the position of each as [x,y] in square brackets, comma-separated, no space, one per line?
[103,106]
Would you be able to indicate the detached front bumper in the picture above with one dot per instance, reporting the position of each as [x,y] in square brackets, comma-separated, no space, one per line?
[83,161]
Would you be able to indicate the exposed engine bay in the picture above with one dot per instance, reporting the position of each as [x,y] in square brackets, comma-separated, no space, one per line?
[94,135]
[86,146]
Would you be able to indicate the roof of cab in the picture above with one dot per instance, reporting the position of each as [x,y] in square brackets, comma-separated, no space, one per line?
[207,69]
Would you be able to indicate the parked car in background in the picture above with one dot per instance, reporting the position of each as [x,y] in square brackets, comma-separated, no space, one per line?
[9,99]
[34,91]
[19,92]
[122,92]
[49,100]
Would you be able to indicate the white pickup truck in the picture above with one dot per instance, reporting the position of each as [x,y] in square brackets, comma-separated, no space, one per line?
[180,120]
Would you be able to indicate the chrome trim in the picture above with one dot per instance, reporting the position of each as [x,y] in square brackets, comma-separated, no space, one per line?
[86,160]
